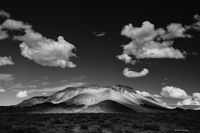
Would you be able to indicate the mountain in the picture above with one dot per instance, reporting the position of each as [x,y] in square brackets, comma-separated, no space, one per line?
[92,99]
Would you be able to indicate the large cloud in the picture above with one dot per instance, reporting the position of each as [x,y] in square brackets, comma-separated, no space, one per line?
[133,74]
[36,47]
[148,42]
[6,61]
[46,52]
[173,92]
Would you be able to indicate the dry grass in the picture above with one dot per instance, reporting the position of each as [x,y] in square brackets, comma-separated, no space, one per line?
[100,123]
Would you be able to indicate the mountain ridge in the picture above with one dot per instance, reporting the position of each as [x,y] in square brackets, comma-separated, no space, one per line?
[93,99]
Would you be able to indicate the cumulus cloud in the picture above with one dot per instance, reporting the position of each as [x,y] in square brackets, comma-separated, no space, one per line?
[175,30]
[196,95]
[4,14]
[188,101]
[22,94]
[144,33]
[133,74]
[191,100]
[148,42]
[48,52]
[173,92]
[6,61]
[36,47]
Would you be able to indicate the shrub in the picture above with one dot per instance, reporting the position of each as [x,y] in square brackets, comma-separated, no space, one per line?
[24,130]
[152,127]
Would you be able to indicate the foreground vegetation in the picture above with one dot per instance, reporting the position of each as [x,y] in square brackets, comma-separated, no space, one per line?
[100,123]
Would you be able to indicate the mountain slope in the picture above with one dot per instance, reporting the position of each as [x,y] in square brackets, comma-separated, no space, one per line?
[92,98]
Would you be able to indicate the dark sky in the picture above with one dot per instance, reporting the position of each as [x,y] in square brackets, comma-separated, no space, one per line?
[96,55]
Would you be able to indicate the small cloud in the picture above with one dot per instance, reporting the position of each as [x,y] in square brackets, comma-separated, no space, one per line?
[175,30]
[2,90]
[99,34]
[4,14]
[3,34]
[173,92]
[125,57]
[44,93]
[6,61]
[164,81]
[196,25]
[46,83]
[6,77]
[133,74]
[22,94]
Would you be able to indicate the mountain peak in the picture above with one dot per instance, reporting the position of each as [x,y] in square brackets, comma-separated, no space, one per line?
[88,98]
